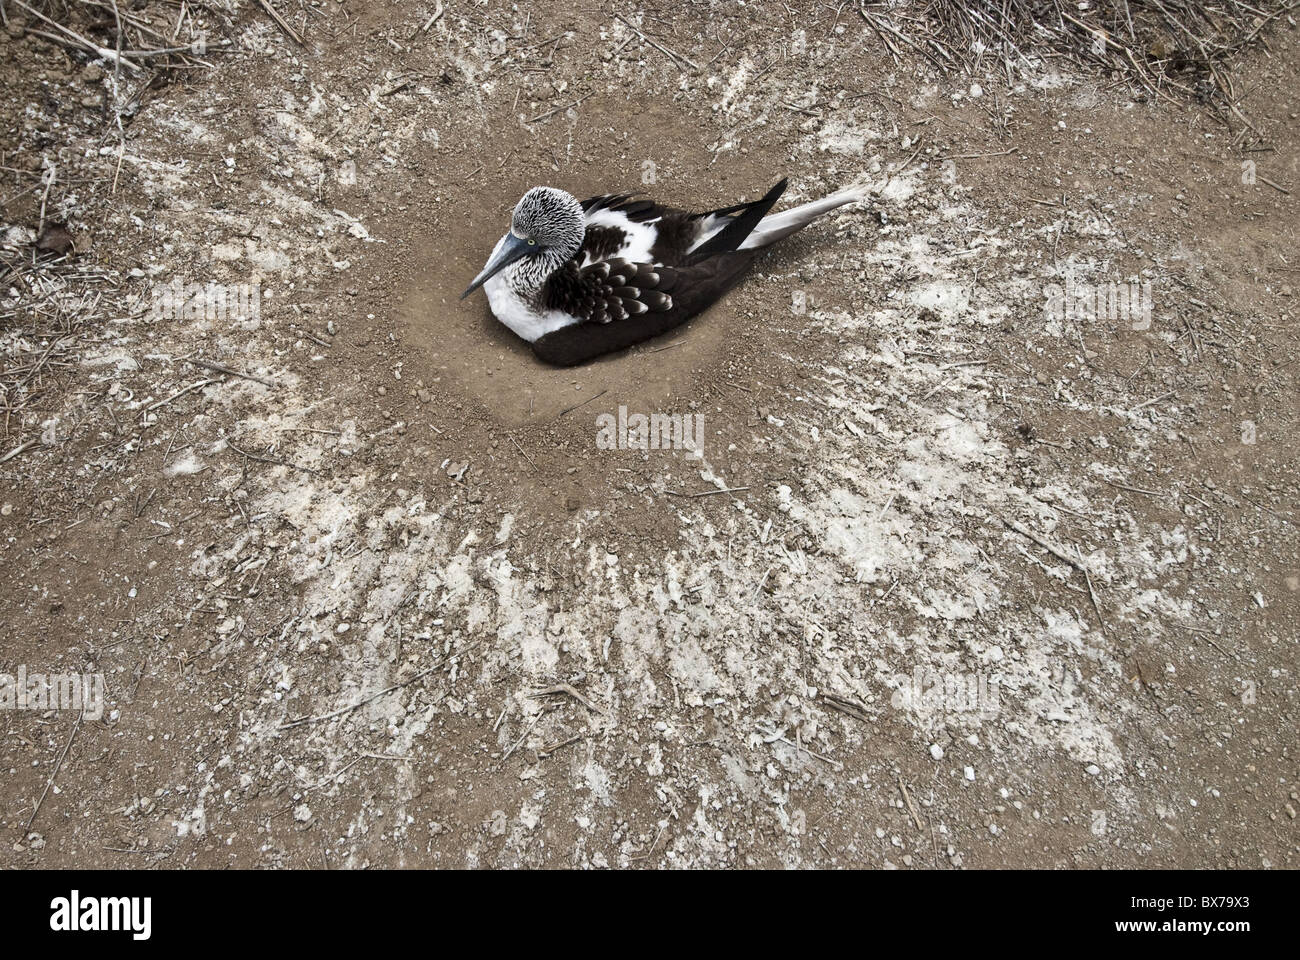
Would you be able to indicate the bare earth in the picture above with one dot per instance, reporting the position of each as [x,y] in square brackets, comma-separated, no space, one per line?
[914,467]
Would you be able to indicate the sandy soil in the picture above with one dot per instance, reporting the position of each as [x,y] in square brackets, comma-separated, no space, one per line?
[329,602]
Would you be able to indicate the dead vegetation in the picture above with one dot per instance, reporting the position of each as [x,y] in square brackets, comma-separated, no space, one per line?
[1177,50]
[144,45]
[39,331]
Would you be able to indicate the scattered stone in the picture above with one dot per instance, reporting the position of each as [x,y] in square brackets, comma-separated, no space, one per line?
[54,239]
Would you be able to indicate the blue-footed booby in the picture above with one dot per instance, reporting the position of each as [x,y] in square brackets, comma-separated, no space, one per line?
[579,279]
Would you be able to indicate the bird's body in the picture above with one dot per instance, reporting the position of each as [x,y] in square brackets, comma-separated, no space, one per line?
[577,280]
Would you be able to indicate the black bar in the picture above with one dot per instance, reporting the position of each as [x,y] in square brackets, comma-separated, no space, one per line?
[958,908]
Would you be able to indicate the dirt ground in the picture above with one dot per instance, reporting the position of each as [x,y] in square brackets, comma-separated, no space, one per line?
[385,601]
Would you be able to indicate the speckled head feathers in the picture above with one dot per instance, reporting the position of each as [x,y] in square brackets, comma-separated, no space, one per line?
[551,217]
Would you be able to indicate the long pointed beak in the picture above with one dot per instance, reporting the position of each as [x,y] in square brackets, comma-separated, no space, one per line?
[508,250]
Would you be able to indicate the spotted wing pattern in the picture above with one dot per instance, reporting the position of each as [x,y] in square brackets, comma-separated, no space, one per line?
[677,294]
[610,290]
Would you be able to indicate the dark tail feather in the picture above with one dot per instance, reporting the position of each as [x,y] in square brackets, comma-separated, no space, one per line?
[733,234]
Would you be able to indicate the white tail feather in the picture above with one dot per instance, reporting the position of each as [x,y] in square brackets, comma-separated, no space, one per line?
[777,225]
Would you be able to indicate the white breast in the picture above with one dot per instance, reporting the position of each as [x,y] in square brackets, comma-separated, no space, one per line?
[515,313]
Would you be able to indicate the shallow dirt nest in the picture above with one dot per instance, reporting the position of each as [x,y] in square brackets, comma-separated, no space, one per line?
[970,568]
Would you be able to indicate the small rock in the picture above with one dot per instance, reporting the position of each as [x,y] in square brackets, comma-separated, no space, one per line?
[54,238]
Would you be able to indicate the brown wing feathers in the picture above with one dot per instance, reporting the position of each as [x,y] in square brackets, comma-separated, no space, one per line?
[743,221]
[621,303]
[687,291]
[610,290]
[678,230]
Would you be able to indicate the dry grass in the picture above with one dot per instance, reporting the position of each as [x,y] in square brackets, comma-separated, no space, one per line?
[39,332]
[1175,49]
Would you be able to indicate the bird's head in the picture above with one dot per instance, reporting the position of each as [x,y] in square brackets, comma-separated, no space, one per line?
[547,226]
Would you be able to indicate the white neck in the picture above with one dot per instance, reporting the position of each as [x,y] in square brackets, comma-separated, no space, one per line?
[515,292]
[514,297]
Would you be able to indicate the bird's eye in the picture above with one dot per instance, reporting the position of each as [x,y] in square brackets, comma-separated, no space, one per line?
[532,242]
